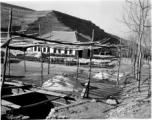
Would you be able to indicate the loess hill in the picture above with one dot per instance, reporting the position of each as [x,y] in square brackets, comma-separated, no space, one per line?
[28,19]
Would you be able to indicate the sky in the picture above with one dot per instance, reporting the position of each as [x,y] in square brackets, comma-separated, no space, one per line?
[104,13]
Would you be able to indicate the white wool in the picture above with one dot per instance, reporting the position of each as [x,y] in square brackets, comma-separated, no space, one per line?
[62,83]
[101,75]
[105,75]
[110,101]
[120,74]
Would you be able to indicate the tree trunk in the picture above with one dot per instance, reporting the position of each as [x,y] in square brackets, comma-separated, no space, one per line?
[134,64]
[139,71]
[149,81]
[139,60]
[134,67]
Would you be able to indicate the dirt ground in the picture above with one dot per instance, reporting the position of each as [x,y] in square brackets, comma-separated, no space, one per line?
[132,103]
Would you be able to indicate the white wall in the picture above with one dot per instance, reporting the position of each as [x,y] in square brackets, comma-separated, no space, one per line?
[52,51]
[73,52]
[62,51]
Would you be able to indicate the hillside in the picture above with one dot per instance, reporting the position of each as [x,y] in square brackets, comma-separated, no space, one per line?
[18,14]
[28,19]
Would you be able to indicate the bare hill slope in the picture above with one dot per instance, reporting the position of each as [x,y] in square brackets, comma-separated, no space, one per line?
[28,19]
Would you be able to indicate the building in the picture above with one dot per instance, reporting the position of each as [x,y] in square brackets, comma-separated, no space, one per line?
[65,36]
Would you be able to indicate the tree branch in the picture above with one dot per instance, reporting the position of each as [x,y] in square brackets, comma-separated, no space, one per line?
[147,25]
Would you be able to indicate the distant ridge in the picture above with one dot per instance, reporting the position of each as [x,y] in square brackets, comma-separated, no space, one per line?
[28,19]
[14,6]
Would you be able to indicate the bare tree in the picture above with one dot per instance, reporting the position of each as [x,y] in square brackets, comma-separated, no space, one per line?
[137,12]
[132,52]
[147,44]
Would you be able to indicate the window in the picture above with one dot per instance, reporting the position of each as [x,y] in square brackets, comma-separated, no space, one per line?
[66,51]
[54,50]
[35,48]
[70,52]
[39,49]
[59,50]
[44,49]
[48,49]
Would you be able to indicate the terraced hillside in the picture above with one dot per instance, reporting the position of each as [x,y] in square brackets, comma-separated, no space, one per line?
[28,19]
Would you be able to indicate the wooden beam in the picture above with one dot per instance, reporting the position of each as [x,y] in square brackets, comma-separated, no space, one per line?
[6,52]
[13,82]
[39,103]
[53,41]
[22,37]
[14,31]
[13,87]
[67,43]
[19,94]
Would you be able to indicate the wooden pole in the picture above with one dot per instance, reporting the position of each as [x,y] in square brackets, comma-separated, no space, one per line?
[6,52]
[9,61]
[49,61]
[41,56]
[77,54]
[24,62]
[41,66]
[49,57]
[119,50]
[89,75]
[77,65]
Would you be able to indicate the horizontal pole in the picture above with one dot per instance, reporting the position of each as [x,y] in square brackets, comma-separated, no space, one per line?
[67,43]
[13,87]
[26,34]
[14,31]
[39,103]
[45,40]
[8,96]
